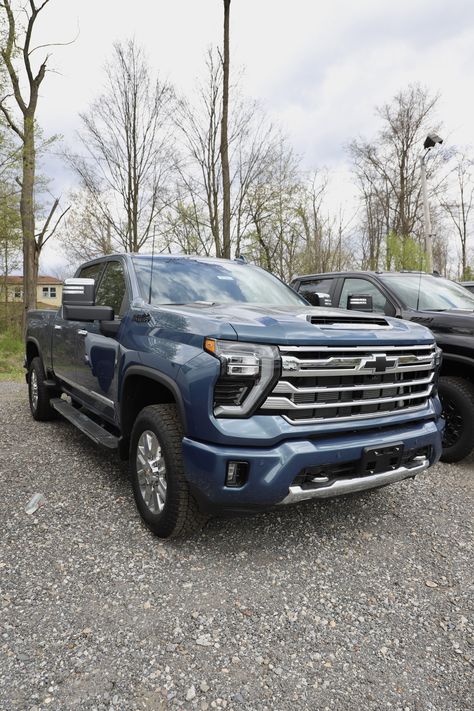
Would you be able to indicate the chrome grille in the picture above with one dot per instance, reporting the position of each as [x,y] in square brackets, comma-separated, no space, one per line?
[324,383]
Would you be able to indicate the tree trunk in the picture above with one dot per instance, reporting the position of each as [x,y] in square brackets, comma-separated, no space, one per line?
[27,211]
[224,139]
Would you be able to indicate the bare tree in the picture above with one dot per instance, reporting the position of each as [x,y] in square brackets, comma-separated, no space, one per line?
[127,155]
[387,169]
[458,206]
[199,169]
[25,86]
[86,233]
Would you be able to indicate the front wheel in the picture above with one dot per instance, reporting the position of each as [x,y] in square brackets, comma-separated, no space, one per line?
[156,466]
[457,399]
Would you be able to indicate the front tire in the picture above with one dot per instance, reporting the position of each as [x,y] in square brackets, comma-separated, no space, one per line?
[159,485]
[457,398]
[38,393]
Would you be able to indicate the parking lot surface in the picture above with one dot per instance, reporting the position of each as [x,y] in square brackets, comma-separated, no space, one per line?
[363,602]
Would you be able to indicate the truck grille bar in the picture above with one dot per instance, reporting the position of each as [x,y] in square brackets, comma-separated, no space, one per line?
[333,384]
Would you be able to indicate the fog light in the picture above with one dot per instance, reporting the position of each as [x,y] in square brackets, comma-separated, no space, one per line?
[237,474]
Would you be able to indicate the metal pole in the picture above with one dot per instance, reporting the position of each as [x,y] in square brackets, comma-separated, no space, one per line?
[427,218]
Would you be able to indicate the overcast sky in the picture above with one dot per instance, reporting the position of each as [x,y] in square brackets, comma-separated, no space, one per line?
[318,68]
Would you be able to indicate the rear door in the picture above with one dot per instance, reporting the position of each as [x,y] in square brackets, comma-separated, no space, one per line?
[97,355]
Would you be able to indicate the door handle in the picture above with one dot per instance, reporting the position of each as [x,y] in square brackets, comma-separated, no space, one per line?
[57,327]
[82,332]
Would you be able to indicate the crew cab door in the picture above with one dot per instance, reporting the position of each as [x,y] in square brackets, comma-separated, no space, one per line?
[97,354]
[64,342]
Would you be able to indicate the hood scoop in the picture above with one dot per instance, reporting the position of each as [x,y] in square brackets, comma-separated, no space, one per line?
[348,321]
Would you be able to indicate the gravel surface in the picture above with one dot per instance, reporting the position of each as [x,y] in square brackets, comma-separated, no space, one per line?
[357,603]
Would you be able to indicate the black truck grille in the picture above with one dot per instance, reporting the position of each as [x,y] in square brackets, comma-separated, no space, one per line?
[351,382]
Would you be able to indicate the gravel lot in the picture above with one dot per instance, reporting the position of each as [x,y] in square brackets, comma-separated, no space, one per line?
[357,603]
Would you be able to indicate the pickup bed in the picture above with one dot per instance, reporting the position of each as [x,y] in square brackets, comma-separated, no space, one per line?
[227,391]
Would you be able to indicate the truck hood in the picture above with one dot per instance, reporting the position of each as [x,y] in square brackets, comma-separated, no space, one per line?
[451,321]
[295,325]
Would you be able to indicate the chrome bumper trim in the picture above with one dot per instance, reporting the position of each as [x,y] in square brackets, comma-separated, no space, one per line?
[348,486]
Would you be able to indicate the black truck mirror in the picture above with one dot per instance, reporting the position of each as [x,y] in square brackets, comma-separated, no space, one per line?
[318,298]
[360,302]
[78,302]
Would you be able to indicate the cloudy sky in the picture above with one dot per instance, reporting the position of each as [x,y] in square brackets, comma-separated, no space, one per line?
[318,68]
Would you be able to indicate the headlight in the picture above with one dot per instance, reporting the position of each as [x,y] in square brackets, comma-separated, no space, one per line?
[248,373]
[438,359]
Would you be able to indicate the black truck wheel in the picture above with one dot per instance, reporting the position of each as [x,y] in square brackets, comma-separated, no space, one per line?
[38,393]
[457,399]
[156,466]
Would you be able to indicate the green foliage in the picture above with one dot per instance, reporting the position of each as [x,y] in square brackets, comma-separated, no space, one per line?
[468,274]
[11,345]
[404,253]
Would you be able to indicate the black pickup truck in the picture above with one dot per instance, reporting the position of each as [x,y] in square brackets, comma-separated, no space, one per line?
[446,308]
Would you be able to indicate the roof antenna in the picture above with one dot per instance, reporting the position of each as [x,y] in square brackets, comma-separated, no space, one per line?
[152,260]
[422,257]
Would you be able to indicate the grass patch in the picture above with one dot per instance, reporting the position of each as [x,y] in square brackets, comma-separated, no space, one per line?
[11,356]
[12,347]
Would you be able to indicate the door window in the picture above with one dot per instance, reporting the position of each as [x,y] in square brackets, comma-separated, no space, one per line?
[92,272]
[362,286]
[112,289]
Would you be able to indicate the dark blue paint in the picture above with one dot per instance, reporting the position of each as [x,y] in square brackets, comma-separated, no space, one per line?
[169,342]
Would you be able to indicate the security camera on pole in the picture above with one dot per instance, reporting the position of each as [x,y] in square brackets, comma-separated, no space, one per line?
[430,141]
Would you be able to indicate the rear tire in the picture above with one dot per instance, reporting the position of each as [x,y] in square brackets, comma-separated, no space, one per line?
[160,487]
[38,393]
[457,398]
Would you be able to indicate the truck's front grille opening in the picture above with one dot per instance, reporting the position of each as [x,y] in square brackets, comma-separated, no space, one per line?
[321,384]
[325,474]
[231,391]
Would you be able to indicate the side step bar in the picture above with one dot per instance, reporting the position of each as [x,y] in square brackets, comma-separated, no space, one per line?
[90,428]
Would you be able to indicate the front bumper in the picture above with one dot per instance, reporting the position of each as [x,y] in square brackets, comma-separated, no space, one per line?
[272,471]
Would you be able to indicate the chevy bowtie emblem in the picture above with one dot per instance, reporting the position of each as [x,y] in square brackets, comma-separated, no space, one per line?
[379,363]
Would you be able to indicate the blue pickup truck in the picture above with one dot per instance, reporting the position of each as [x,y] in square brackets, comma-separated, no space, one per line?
[227,391]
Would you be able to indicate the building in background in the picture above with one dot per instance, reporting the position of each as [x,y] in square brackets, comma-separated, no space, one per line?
[48,290]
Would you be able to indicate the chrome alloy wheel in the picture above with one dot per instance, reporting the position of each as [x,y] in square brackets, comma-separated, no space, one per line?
[151,472]
[34,389]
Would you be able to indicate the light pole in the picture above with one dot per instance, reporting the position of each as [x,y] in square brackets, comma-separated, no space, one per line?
[430,141]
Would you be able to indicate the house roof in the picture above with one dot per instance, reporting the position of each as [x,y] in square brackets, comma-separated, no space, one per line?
[47,280]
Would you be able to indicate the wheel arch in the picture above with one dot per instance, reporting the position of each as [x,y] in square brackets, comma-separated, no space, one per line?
[142,386]
[457,365]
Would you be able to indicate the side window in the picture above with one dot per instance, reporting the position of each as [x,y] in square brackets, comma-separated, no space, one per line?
[308,288]
[112,288]
[362,286]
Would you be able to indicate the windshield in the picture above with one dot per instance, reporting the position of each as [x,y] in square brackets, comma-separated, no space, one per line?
[429,293]
[185,281]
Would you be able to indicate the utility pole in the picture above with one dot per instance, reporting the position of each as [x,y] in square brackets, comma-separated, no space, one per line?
[430,141]
[426,215]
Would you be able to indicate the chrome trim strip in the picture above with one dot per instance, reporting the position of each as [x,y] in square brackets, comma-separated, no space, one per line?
[283,403]
[283,386]
[82,389]
[348,486]
[307,373]
[347,418]
[357,349]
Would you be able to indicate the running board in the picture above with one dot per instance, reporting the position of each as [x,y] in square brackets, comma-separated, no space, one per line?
[90,428]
